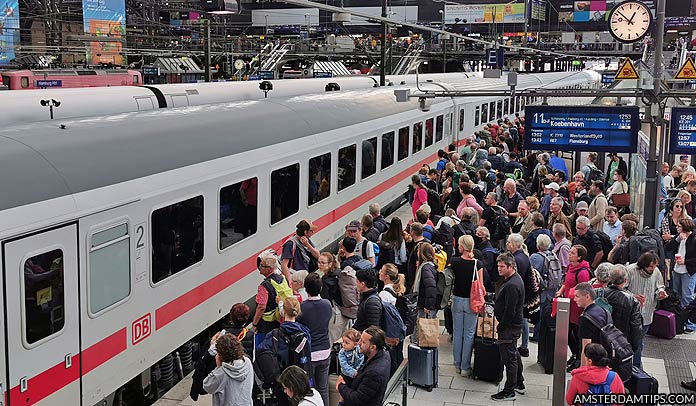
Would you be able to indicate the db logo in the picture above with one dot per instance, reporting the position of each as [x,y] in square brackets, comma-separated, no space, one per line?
[141,329]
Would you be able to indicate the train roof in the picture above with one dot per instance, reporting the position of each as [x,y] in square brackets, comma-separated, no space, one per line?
[46,161]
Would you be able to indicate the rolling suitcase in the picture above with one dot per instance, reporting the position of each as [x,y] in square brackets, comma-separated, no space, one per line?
[640,383]
[664,324]
[422,367]
[487,365]
[449,322]
[547,340]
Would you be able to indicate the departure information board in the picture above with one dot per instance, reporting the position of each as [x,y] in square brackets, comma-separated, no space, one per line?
[682,134]
[587,128]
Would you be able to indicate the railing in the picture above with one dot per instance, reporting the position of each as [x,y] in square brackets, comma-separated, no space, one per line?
[399,379]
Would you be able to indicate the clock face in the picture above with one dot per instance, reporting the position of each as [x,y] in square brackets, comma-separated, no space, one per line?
[630,21]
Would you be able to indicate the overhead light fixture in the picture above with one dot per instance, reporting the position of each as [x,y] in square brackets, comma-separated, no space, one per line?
[221,7]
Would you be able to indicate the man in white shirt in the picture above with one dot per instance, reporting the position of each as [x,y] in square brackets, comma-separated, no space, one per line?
[354,229]
[612,225]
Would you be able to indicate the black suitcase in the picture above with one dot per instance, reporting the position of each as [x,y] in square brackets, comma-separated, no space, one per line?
[640,383]
[547,340]
[487,364]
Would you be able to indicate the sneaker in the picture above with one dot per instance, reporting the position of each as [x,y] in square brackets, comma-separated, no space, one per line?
[465,373]
[688,331]
[524,352]
[458,371]
[503,395]
[520,389]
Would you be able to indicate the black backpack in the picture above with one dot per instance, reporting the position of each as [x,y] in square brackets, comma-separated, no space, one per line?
[387,253]
[606,244]
[433,202]
[645,240]
[618,348]
[299,350]
[407,305]
[500,225]
[446,238]
[595,174]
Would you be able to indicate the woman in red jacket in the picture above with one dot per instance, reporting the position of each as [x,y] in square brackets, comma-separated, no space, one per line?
[595,373]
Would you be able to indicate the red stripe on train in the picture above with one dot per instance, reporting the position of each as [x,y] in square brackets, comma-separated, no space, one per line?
[104,350]
[46,383]
[189,300]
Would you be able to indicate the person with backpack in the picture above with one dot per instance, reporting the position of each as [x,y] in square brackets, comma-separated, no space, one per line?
[289,344]
[561,246]
[598,208]
[267,315]
[332,290]
[578,272]
[684,275]
[496,219]
[464,319]
[298,252]
[590,170]
[515,246]
[394,289]
[378,221]
[363,247]
[425,283]
[488,255]
[594,378]
[316,313]
[511,199]
[369,231]
[537,230]
[369,311]
[414,238]
[551,272]
[625,308]
[590,240]
[556,214]
[468,200]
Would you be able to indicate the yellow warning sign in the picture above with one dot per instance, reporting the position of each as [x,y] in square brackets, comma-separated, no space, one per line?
[627,71]
[687,71]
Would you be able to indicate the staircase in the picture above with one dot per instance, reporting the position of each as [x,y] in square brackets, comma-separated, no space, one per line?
[409,62]
[274,58]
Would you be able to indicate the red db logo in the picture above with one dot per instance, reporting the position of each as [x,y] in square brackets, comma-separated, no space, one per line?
[141,329]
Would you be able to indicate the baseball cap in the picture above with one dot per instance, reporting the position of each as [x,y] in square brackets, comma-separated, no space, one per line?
[554,186]
[582,206]
[353,226]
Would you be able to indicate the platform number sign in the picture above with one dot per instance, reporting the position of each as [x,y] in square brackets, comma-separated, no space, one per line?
[141,329]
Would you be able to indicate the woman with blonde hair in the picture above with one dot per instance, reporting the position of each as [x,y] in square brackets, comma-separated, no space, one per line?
[394,287]
[425,284]
[464,268]
[533,203]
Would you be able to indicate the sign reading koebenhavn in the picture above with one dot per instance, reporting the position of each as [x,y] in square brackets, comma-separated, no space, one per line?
[589,128]
[682,137]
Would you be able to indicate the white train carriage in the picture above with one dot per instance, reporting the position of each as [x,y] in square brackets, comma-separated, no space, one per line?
[25,106]
[118,249]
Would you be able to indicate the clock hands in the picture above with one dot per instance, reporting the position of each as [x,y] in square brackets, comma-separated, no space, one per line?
[630,21]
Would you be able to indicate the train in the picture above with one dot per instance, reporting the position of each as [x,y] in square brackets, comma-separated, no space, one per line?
[27,106]
[120,249]
[69,78]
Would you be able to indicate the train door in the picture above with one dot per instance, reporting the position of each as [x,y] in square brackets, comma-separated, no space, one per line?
[43,342]
[3,370]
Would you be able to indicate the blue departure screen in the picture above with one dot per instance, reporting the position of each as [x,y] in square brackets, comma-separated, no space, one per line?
[595,128]
[682,135]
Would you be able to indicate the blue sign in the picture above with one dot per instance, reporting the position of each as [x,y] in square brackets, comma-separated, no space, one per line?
[254,77]
[565,128]
[323,75]
[682,133]
[266,75]
[105,18]
[151,70]
[49,83]
[496,57]
[9,31]
[608,77]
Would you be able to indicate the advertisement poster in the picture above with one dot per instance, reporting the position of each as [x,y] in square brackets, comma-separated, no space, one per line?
[583,11]
[9,31]
[105,18]
[485,14]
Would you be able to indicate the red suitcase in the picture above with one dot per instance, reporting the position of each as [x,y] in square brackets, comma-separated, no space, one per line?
[664,324]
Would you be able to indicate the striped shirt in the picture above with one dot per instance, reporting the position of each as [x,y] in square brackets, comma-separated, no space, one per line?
[648,287]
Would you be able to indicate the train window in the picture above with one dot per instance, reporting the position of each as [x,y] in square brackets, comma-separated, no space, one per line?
[461,119]
[285,192]
[25,82]
[109,268]
[499,112]
[346,166]
[428,132]
[44,311]
[484,113]
[319,178]
[491,112]
[388,149]
[177,237]
[6,81]
[506,106]
[136,80]
[369,157]
[439,124]
[403,143]
[238,211]
[417,137]
[477,118]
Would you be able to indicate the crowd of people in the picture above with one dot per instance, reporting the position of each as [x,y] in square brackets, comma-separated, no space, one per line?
[520,222]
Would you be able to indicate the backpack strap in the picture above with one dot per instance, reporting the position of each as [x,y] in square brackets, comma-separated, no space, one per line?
[364,248]
[391,292]
[610,378]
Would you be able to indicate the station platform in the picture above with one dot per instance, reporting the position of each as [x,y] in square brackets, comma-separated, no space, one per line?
[669,361]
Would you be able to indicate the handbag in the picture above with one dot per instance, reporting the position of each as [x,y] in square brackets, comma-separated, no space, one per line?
[477,295]
[621,199]
[428,332]
[486,324]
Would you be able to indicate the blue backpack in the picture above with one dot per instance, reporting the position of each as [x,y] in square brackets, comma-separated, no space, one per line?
[603,388]
[392,323]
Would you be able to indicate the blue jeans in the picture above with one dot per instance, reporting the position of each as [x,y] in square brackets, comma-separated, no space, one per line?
[464,327]
[525,334]
[637,355]
[320,373]
[684,285]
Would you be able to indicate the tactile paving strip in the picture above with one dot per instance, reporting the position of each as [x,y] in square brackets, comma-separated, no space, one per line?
[677,370]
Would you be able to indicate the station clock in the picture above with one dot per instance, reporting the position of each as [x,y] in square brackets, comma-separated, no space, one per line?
[630,21]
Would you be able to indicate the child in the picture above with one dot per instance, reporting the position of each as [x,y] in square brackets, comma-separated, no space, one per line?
[350,357]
